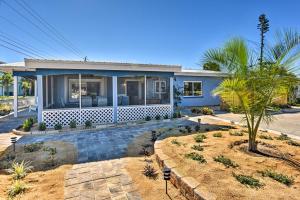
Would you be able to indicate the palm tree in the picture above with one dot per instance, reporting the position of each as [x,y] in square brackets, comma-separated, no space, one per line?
[256,85]
[6,80]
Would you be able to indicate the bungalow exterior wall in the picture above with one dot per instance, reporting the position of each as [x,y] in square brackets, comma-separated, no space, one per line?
[208,85]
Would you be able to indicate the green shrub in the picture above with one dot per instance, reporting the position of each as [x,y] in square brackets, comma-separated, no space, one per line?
[27,125]
[248,180]
[157,117]
[58,126]
[207,111]
[88,124]
[174,141]
[5,109]
[278,177]
[42,126]
[28,148]
[73,124]
[197,128]
[19,170]
[52,152]
[218,134]
[225,161]
[236,133]
[283,137]
[199,138]
[166,116]
[17,187]
[148,118]
[195,156]
[293,143]
[265,137]
[150,171]
[196,110]
[197,147]
[188,129]
[175,115]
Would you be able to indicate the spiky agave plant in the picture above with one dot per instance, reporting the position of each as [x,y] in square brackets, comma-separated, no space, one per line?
[20,170]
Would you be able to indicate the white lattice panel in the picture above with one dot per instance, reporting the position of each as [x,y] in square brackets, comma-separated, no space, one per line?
[133,113]
[130,113]
[161,110]
[98,115]
[52,117]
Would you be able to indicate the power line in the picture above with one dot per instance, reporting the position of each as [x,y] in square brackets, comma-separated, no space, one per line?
[23,49]
[46,24]
[35,25]
[28,33]
[20,43]
[20,52]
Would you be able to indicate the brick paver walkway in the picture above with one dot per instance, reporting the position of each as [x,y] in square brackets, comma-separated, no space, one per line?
[102,180]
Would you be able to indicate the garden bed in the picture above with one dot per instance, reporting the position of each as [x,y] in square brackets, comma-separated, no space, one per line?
[220,162]
[49,160]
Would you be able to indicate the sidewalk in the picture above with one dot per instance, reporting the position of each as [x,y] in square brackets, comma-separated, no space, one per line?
[9,122]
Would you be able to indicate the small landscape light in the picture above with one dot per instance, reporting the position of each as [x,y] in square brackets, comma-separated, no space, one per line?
[199,121]
[167,176]
[13,140]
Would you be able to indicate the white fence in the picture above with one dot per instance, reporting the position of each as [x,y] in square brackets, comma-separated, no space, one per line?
[65,116]
[104,115]
[133,113]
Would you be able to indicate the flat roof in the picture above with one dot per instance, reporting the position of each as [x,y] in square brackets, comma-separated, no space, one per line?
[195,72]
[98,65]
[33,64]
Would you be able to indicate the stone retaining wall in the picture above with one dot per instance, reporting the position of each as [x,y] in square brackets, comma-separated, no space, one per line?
[188,186]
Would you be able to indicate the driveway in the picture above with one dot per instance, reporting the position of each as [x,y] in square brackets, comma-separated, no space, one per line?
[109,143]
[9,122]
[288,123]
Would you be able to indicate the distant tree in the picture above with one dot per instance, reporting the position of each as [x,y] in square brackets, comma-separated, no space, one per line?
[263,26]
[211,66]
[26,85]
[6,80]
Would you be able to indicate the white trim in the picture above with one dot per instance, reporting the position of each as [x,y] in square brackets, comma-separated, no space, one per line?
[115,97]
[171,94]
[46,85]
[52,90]
[15,96]
[187,96]
[160,81]
[40,97]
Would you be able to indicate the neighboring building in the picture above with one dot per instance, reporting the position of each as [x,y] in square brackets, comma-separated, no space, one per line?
[108,92]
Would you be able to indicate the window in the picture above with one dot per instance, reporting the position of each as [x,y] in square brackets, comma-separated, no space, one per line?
[192,88]
[160,86]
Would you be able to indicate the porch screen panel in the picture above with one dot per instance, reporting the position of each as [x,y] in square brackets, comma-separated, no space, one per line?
[158,90]
[62,92]
[96,91]
[131,91]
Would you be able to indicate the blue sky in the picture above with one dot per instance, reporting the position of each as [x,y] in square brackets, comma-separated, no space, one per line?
[145,31]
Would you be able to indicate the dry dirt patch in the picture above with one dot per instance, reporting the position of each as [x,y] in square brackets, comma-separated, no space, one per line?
[45,181]
[218,179]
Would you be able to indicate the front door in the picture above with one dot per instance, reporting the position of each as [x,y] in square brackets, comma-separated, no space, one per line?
[132,88]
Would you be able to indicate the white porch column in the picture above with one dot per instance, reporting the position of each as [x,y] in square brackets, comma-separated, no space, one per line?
[79,79]
[52,91]
[35,92]
[172,94]
[115,97]
[47,98]
[15,96]
[40,97]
